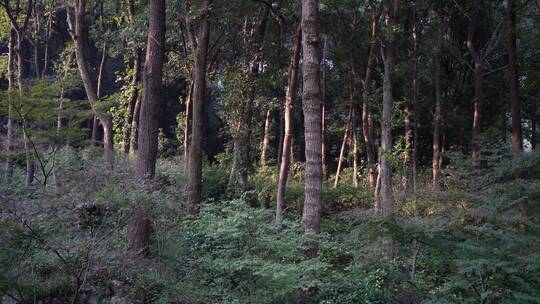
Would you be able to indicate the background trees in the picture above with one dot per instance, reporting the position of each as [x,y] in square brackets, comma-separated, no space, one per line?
[412,122]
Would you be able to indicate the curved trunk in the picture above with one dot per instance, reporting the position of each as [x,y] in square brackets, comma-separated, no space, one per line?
[292,84]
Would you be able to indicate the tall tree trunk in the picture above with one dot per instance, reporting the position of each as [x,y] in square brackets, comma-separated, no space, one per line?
[200,49]
[46,55]
[132,100]
[311,99]
[30,165]
[355,150]
[477,114]
[367,121]
[253,38]
[517,140]
[11,81]
[151,94]
[323,92]
[266,138]
[139,226]
[343,144]
[292,84]
[387,200]
[437,147]
[37,28]
[187,124]
[244,143]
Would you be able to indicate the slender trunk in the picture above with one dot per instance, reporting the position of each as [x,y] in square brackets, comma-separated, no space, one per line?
[517,140]
[234,164]
[292,84]
[132,100]
[533,133]
[200,51]
[436,170]
[244,141]
[311,100]
[78,37]
[323,92]
[37,25]
[367,120]
[30,166]
[11,82]
[343,144]
[376,192]
[46,55]
[266,138]
[355,150]
[281,135]
[187,124]
[477,114]
[135,125]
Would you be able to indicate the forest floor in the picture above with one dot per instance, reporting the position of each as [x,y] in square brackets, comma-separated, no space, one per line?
[470,243]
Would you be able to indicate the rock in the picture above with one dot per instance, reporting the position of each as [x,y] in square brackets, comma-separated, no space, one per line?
[8,300]
[120,300]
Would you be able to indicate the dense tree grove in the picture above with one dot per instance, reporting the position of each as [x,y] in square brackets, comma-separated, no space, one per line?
[269,151]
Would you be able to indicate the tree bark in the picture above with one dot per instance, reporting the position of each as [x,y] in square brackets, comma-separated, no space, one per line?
[323,92]
[343,144]
[367,120]
[517,140]
[387,200]
[46,55]
[132,100]
[151,94]
[135,125]
[292,85]
[199,49]
[437,149]
[266,138]
[187,124]
[355,150]
[11,81]
[311,102]
[139,225]
[78,34]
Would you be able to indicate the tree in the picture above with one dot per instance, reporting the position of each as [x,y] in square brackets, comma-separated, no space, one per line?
[479,57]
[388,56]
[14,15]
[11,80]
[437,117]
[199,48]
[151,95]
[78,34]
[515,101]
[367,119]
[311,103]
[292,83]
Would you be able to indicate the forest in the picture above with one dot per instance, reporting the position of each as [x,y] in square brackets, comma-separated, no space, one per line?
[269,151]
